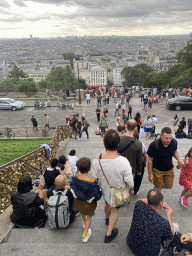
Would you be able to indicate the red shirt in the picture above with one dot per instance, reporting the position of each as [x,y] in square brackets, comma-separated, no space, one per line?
[138,121]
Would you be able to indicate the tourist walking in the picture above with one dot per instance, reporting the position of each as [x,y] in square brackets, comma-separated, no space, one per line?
[154,123]
[88,97]
[148,127]
[84,126]
[160,165]
[98,99]
[123,109]
[102,125]
[137,118]
[46,120]
[105,112]
[98,111]
[110,168]
[150,102]
[117,108]
[185,179]
[35,124]
[130,148]
[145,101]
[129,111]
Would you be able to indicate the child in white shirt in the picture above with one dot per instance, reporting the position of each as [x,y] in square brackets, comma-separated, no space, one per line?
[72,158]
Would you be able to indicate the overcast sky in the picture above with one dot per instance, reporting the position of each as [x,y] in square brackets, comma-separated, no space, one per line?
[53,18]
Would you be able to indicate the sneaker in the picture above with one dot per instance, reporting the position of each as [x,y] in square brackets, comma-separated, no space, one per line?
[86,236]
[79,139]
[106,221]
[184,201]
[36,228]
[114,233]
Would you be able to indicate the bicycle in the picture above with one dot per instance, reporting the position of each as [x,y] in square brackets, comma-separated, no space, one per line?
[8,132]
[39,104]
[61,105]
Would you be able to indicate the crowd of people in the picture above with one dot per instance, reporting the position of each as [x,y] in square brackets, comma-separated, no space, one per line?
[122,165]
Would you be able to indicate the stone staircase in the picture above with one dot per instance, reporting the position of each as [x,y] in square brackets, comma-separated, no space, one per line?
[47,241]
[54,242]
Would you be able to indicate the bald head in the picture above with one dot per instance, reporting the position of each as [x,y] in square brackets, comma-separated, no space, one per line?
[60,182]
[131,125]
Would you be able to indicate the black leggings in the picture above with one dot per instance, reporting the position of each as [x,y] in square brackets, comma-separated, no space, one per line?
[86,131]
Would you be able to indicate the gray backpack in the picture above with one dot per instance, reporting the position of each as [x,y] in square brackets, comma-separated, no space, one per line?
[58,209]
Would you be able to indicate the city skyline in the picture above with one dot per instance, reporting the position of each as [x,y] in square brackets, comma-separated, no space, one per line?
[60,18]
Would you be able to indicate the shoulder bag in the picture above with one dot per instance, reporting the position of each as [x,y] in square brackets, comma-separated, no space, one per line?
[119,196]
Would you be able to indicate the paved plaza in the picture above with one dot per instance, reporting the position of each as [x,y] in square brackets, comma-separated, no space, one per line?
[48,241]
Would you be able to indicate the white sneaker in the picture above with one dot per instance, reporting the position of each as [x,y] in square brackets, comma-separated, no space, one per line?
[86,238]
[79,139]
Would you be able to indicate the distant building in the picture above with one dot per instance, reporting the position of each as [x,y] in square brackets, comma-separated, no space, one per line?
[98,76]
[117,77]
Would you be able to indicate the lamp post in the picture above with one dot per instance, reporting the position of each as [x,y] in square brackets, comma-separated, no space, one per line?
[77,58]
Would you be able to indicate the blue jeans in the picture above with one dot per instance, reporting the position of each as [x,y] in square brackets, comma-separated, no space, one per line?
[98,103]
[117,111]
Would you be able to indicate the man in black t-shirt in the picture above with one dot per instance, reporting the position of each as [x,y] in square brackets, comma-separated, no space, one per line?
[60,185]
[35,124]
[74,127]
[160,153]
[145,101]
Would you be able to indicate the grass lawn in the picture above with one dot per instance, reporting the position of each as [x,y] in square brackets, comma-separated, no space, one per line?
[11,149]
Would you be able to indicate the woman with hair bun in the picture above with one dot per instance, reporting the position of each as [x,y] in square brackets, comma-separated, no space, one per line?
[118,171]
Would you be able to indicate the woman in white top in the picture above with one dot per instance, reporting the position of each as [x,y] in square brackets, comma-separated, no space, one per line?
[148,127]
[119,174]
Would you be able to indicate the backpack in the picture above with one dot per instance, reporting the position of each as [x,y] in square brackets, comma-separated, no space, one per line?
[119,106]
[58,209]
[88,124]
[72,122]
[176,245]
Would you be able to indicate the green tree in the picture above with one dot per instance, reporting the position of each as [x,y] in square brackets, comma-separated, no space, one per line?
[133,76]
[185,55]
[83,84]
[16,74]
[61,78]
[182,82]
[42,85]
[29,87]
[69,56]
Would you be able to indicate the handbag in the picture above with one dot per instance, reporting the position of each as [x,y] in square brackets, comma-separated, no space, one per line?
[119,196]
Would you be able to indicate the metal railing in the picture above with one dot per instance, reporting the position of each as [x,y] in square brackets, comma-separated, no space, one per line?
[32,164]
[28,132]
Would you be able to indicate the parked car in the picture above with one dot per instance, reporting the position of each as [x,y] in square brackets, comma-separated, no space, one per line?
[180,103]
[8,103]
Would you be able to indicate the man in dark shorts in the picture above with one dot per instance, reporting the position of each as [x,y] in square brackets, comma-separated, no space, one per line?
[35,124]
[148,228]
[160,153]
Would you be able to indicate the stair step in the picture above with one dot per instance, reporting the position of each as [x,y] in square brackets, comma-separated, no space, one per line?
[68,249]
